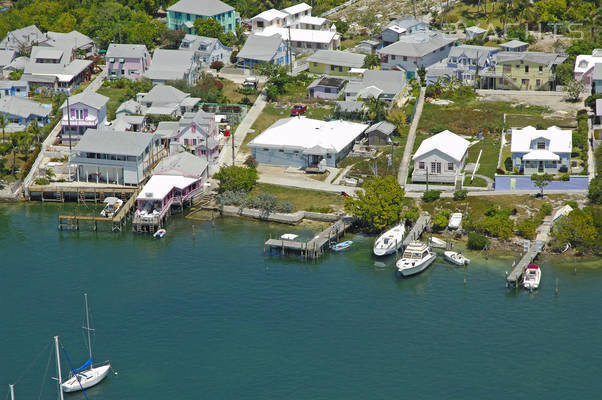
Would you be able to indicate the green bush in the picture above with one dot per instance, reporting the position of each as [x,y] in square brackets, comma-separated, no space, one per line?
[594,192]
[460,195]
[545,209]
[42,181]
[431,196]
[499,225]
[324,210]
[236,179]
[573,204]
[411,215]
[526,228]
[440,221]
[477,241]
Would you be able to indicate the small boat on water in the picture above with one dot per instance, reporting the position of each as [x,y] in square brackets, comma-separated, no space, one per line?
[341,246]
[531,277]
[437,243]
[456,258]
[416,258]
[112,205]
[390,241]
[289,236]
[455,220]
[160,233]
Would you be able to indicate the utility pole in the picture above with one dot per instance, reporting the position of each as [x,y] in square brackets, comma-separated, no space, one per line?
[233,156]
[427,178]
[290,51]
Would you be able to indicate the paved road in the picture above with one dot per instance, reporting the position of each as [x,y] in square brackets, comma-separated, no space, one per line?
[405,161]
[225,158]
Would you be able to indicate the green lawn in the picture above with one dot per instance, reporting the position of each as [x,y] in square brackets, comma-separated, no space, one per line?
[116,97]
[477,182]
[490,145]
[506,154]
[302,199]
[230,91]
[521,120]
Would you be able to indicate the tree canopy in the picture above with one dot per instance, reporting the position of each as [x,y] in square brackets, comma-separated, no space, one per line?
[208,27]
[236,179]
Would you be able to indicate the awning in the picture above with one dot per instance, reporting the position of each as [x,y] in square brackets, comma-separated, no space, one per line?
[541,155]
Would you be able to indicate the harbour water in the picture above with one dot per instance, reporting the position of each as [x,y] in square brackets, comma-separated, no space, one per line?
[208,315]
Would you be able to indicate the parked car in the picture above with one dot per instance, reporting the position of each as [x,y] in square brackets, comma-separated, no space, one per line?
[298,109]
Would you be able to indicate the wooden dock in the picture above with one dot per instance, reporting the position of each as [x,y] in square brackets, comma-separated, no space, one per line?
[315,247]
[513,277]
[92,193]
[421,224]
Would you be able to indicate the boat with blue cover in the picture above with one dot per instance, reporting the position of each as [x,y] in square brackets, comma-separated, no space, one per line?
[341,246]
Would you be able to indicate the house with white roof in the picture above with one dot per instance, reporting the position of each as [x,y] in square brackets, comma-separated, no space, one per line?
[166,100]
[584,66]
[303,142]
[334,62]
[402,26]
[315,23]
[20,40]
[420,49]
[514,46]
[197,134]
[296,12]
[21,112]
[17,63]
[206,49]
[182,14]
[306,40]
[79,43]
[173,65]
[440,158]
[82,111]
[538,151]
[271,17]
[115,157]
[129,61]
[6,57]
[474,32]
[259,49]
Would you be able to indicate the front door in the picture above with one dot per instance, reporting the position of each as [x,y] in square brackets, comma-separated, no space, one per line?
[540,168]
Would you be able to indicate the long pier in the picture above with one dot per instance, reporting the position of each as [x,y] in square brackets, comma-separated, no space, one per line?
[514,276]
[315,247]
[421,224]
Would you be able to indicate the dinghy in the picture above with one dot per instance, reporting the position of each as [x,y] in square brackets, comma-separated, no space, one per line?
[341,246]
[456,258]
[160,233]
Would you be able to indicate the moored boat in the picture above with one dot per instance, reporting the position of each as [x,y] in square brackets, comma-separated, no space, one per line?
[416,258]
[455,220]
[390,241]
[112,206]
[341,246]
[160,233]
[531,277]
[437,243]
[456,258]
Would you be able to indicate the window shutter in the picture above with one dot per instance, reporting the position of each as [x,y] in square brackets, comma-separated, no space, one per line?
[85,113]
[72,113]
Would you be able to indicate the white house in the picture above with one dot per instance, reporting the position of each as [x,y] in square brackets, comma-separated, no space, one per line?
[206,49]
[268,18]
[440,158]
[122,158]
[541,150]
[303,142]
[473,32]
[402,26]
[584,66]
[306,40]
[166,100]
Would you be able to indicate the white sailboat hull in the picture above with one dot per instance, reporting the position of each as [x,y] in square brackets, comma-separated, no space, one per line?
[390,241]
[86,379]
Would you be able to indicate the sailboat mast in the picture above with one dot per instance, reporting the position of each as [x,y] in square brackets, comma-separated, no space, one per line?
[12,392]
[58,366]
[88,325]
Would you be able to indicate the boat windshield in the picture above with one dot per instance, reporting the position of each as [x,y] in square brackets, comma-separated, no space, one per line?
[412,255]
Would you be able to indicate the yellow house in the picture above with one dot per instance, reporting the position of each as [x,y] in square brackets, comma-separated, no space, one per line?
[334,62]
[528,70]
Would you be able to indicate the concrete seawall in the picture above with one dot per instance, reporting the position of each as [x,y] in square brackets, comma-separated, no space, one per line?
[281,218]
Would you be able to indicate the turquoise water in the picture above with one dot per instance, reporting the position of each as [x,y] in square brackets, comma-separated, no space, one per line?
[209,316]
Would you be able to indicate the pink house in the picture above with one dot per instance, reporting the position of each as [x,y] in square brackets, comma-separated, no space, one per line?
[80,112]
[129,61]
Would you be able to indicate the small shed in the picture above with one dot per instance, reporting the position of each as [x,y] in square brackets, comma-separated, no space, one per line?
[380,134]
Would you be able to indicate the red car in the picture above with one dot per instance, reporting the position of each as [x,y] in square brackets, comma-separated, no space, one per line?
[298,109]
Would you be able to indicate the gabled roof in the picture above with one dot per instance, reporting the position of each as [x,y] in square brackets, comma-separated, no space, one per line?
[418,44]
[541,155]
[300,35]
[446,142]
[260,47]
[168,129]
[170,64]
[18,63]
[117,50]
[24,36]
[23,107]
[91,99]
[383,126]
[6,57]
[270,15]
[480,53]
[475,29]
[184,164]
[390,82]
[129,107]
[343,58]
[159,186]
[513,44]
[194,43]
[73,40]
[561,140]
[350,106]
[297,8]
[207,8]
[114,142]
[537,57]
[405,23]
[163,94]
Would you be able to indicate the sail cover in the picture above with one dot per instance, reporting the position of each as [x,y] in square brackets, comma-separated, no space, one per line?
[83,367]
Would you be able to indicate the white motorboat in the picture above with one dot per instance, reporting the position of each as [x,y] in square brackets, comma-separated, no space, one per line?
[456,258]
[390,241]
[437,243]
[531,277]
[455,220]
[289,236]
[88,374]
[112,205]
[416,258]
[160,233]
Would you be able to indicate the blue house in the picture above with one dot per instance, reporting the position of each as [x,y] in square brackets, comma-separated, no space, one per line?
[263,49]
[14,88]
[465,60]
[181,15]
[537,151]
[22,112]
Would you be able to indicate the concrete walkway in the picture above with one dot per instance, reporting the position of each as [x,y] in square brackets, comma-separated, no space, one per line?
[405,161]
[310,184]
[225,157]
[486,179]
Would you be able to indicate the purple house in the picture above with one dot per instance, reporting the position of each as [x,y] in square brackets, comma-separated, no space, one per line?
[326,87]
[129,61]
[86,110]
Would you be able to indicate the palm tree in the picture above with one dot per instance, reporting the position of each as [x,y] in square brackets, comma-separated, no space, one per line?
[14,144]
[3,124]
[34,130]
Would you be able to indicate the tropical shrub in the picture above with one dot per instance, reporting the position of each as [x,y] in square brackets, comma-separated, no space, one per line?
[431,195]
[477,241]
[460,195]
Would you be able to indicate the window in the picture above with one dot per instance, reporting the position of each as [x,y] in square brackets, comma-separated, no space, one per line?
[132,71]
[111,59]
[435,167]
[538,82]
[450,166]
[123,72]
[392,57]
[540,69]
[332,67]
[122,60]
[266,149]
[541,145]
[315,64]
[327,90]
[340,69]
[526,69]
[421,165]
[507,69]
[405,58]
[524,82]
[281,151]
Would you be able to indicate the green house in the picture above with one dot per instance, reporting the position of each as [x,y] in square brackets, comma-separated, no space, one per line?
[181,16]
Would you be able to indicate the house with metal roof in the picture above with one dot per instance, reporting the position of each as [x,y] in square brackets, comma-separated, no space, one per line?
[173,65]
[334,62]
[306,40]
[381,133]
[474,32]
[296,16]
[82,111]
[6,57]
[197,134]
[129,61]
[584,66]
[466,61]
[402,26]
[129,107]
[420,49]
[182,14]
[326,87]
[440,158]
[296,12]
[271,17]
[259,49]
[303,142]
[388,86]
[166,100]
[14,88]
[116,157]
[528,70]
[206,49]
[538,151]
[17,63]
[56,68]
[76,41]
[20,40]
[21,112]
[514,46]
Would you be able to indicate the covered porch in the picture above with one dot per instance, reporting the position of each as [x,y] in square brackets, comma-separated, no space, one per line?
[540,162]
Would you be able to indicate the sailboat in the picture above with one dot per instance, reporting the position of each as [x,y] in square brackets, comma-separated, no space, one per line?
[87,375]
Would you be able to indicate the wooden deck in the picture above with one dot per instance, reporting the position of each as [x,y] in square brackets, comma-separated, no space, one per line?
[315,247]
[85,193]
[421,224]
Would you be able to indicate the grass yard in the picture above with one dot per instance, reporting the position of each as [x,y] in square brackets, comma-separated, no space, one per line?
[302,199]
[233,96]
[116,97]
[352,41]
[468,14]
[506,155]
[490,144]
[476,182]
[522,120]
